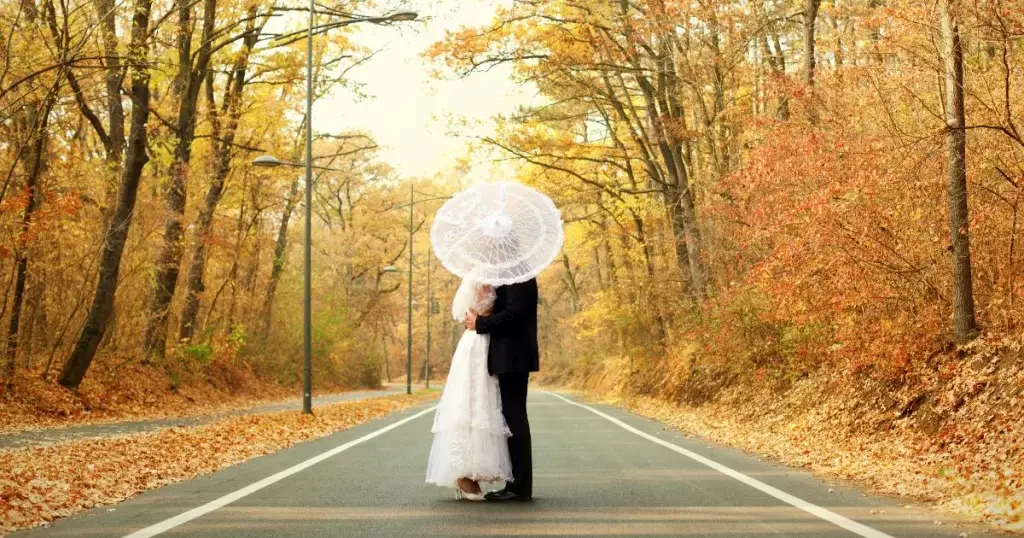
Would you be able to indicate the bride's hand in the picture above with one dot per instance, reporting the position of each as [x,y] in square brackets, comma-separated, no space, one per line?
[471,320]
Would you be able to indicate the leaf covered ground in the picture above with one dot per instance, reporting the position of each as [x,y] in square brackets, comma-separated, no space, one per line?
[131,392]
[38,485]
[951,436]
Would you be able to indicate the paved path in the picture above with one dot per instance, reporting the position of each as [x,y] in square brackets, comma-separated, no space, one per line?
[612,475]
[56,435]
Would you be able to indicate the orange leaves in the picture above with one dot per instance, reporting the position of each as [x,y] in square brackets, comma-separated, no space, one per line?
[41,484]
[838,239]
[130,392]
[950,440]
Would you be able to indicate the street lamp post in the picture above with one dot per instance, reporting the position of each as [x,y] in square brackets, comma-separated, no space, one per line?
[430,311]
[408,314]
[307,276]
[269,161]
[408,341]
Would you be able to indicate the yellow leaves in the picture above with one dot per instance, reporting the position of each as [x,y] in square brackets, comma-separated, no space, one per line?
[589,323]
[41,484]
[463,49]
[1005,510]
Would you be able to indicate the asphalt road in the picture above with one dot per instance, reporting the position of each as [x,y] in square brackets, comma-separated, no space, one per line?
[611,475]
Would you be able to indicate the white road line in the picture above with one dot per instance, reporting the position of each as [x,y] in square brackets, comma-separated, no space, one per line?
[827,515]
[185,517]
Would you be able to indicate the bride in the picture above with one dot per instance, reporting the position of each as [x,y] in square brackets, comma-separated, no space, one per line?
[470,434]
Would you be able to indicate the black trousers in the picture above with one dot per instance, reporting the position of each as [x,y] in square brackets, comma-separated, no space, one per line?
[513,406]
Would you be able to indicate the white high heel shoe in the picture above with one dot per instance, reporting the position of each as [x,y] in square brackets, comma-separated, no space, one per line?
[462,495]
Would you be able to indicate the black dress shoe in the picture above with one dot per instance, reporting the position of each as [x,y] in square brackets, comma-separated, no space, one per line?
[506,496]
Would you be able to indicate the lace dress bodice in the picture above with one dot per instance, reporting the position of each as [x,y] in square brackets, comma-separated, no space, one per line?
[472,296]
[485,297]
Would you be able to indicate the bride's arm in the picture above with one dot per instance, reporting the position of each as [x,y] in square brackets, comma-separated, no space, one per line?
[485,295]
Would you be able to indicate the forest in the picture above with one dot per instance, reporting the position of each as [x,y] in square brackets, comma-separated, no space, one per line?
[142,250]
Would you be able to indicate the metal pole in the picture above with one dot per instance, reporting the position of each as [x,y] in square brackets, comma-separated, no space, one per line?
[408,338]
[430,311]
[307,344]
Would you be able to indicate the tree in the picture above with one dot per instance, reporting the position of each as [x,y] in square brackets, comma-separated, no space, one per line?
[136,158]
[628,78]
[111,135]
[223,141]
[774,55]
[37,120]
[192,73]
[964,323]
[810,21]
[278,259]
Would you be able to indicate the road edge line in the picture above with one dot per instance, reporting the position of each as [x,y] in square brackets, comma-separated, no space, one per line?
[813,509]
[220,502]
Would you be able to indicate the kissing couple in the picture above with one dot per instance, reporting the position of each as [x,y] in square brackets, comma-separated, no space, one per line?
[497,237]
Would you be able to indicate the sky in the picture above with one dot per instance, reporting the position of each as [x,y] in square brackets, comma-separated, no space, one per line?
[408,111]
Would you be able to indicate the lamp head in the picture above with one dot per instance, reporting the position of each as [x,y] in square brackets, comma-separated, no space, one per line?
[404,16]
[266,161]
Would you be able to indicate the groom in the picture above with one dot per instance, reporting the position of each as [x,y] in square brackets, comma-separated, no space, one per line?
[513,354]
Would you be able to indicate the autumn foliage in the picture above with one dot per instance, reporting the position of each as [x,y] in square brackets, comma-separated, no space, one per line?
[145,261]
[764,217]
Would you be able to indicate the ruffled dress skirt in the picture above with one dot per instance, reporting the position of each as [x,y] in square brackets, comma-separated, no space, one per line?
[470,434]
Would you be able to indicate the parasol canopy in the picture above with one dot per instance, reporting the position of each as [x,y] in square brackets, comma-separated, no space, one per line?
[497,233]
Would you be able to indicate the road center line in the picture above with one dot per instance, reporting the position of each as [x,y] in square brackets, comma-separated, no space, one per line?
[220,502]
[827,515]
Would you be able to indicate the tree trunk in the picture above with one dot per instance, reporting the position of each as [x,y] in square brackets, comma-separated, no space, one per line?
[222,154]
[570,284]
[36,322]
[248,284]
[776,59]
[964,323]
[687,244]
[661,102]
[694,243]
[168,263]
[840,52]
[277,264]
[605,245]
[810,26]
[39,118]
[236,263]
[595,255]
[232,105]
[647,286]
[876,34]
[81,357]
[194,280]
[115,108]
[186,90]
[430,313]
[384,356]
[810,60]
[678,190]
[682,253]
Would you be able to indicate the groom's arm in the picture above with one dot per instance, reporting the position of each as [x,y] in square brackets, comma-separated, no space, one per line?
[520,300]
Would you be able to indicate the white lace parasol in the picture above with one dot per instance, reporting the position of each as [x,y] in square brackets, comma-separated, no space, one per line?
[500,233]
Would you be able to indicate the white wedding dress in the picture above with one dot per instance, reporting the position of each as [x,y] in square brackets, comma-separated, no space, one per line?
[470,434]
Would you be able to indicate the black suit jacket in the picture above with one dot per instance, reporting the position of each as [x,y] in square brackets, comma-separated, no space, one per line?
[513,329]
